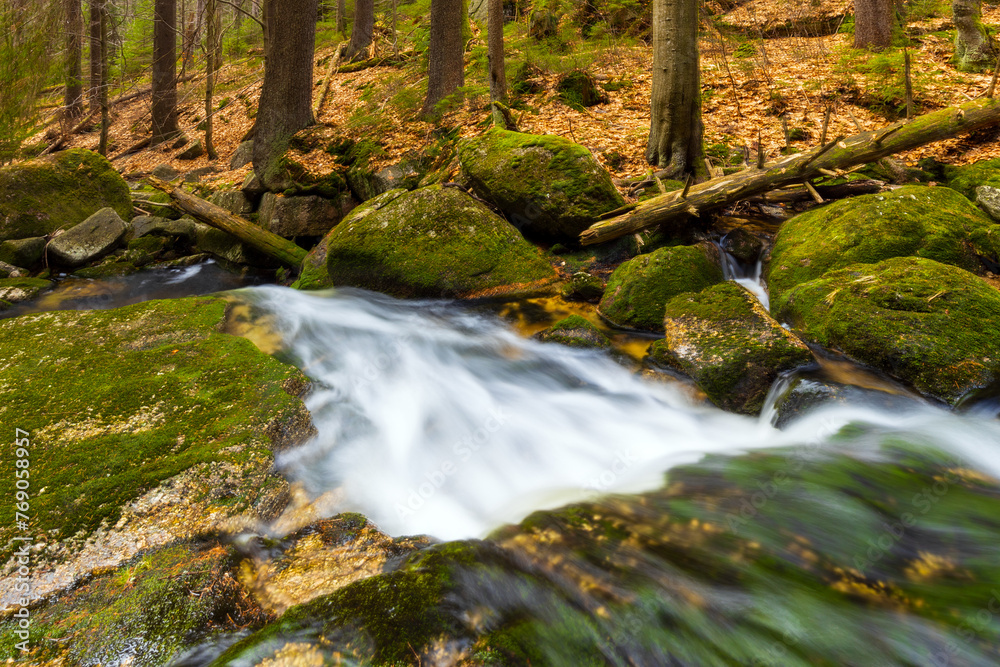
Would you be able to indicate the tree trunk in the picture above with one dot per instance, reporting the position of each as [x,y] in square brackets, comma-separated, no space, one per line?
[498,73]
[102,33]
[94,91]
[211,64]
[446,66]
[675,129]
[362,30]
[286,100]
[673,208]
[973,48]
[164,111]
[873,24]
[342,16]
[74,57]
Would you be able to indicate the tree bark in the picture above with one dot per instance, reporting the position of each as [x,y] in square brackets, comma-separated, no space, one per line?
[74,58]
[268,243]
[497,65]
[102,28]
[675,129]
[673,209]
[342,16]
[211,64]
[446,64]
[286,99]
[873,24]
[164,110]
[362,30]
[94,90]
[973,48]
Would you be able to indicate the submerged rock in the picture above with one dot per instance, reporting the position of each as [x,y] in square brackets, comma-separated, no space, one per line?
[547,186]
[724,339]
[936,223]
[435,241]
[575,331]
[923,322]
[639,289]
[58,192]
[90,240]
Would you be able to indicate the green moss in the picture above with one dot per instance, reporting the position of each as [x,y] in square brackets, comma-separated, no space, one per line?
[297,179]
[313,274]
[436,241]
[16,290]
[60,191]
[639,289]
[575,331]
[936,223]
[127,398]
[923,322]
[544,184]
[578,89]
[967,178]
[583,286]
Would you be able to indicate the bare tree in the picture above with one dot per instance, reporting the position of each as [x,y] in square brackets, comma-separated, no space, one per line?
[164,111]
[498,73]
[96,63]
[362,30]
[974,50]
[341,16]
[102,47]
[74,57]
[873,24]
[213,25]
[446,66]
[675,129]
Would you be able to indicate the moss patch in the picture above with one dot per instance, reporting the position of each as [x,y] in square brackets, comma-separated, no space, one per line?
[436,241]
[925,323]
[639,289]
[936,223]
[575,331]
[967,178]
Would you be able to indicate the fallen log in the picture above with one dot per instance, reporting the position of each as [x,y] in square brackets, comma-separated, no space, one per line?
[675,207]
[800,194]
[260,239]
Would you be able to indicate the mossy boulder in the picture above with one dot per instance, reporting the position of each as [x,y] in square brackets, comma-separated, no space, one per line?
[936,223]
[578,89]
[724,339]
[18,290]
[639,289]
[575,331]
[547,186]
[967,178]
[435,241]
[583,286]
[923,322]
[57,192]
[90,240]
[25,253]
[313,274]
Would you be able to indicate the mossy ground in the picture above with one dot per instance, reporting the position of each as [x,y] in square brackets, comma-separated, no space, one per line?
[926,323]
[436,241]
[639,289]
[937,223]
[118,401]
[967,178]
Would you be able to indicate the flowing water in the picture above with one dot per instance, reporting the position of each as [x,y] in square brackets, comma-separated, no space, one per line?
[855,535]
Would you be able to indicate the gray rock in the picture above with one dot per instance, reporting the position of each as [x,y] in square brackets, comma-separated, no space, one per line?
[368,185]
[803,395]
[479,11]
[242,155]
[303,216]
[252,187]
[23,252]
[234,201]
[225,246]
[192,152]
[195,175]
[90,240]
[165,171]
[144,225]
[11,271]
[18,290]
[988,198]
[180,142]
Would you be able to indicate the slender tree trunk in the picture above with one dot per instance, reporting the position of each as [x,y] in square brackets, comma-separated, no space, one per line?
[974,50]
[361,31]
[873,24]
[498,72]
[286,100]
[74,58]
[342,16]
[675,130]
[164,111]
[211,60]
[102,32]
[446,66]
[94,91]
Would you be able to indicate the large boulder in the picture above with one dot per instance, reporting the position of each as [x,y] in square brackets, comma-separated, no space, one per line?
[313,274]
[724,339]
[435,241]
[303,216]
[57,192]
[936,223]
[547,186]
[90,240]
[639,289]
[23,252]
[923,322]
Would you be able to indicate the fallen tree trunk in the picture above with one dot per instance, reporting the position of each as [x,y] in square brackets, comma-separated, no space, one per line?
[838,154]
[260,239]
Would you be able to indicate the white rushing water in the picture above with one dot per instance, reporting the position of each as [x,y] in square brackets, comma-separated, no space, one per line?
[434,419]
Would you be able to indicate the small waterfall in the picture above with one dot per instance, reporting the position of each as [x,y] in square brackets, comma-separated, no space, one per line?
[751,277]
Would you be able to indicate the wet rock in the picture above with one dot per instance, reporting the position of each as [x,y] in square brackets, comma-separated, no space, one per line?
[234,201]
[313,274]
[639,289]
[242,156]
[17,290]
[57,192]
[192,152]
[227,247]
[743,245]
[435,241]
[23,252]
[304,215]
[724,339]
[921,321]
[932,222]
[988,198]
[804,395]
[583,286]
[547,186]
[575,331]
[90,240]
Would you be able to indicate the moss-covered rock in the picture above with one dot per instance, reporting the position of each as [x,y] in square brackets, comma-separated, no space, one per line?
[583,286]
[967,178]
[25,253]
[639,289]
[18,290]
[724,339]
[578,89]
[436,241]
[547,186]
[936,223]
[924,322]
[575,331]
[313,274]
[58,191]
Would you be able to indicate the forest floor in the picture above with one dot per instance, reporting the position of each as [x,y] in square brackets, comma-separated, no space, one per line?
[750,87]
